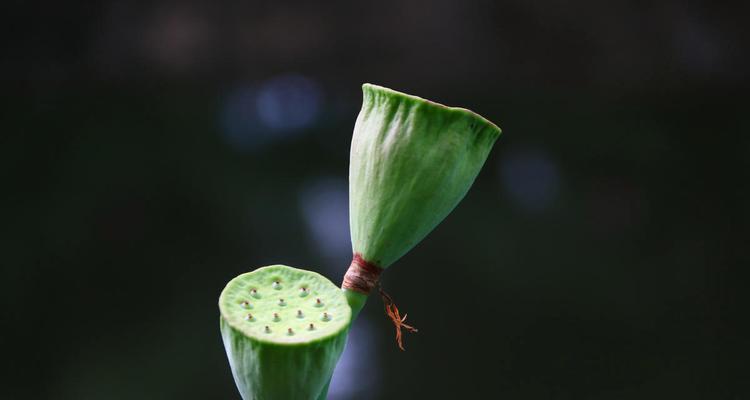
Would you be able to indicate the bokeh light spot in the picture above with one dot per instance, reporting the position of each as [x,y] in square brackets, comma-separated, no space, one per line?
[324,203]
[531,179]
[255,116]
[288,102]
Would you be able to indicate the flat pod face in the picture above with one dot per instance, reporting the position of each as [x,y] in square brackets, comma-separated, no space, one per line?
[284,305]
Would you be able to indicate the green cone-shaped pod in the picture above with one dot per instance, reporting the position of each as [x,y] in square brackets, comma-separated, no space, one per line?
[412,161]
[284,330]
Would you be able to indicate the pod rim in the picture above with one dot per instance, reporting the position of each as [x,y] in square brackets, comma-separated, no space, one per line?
[369,87]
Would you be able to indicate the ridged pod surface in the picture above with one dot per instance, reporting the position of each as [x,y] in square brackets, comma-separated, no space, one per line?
[284,330]
[411,162]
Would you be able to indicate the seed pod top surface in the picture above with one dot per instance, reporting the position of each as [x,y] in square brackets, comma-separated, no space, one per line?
[284,305]
[412,161]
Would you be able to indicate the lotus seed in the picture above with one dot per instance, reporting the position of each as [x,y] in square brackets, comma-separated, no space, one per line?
[268,330]
[312,327]
[245,304]
[326,317]
[254,293]
[290,332]
[281,302]
[276,317]
[249,317]
[299,314]
[318,303]
[303,292]
[277,285]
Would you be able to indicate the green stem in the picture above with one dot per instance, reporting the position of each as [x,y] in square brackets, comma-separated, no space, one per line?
[356,302]
[324,393]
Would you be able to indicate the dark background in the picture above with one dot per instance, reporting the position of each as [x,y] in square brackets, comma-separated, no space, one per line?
[152,151]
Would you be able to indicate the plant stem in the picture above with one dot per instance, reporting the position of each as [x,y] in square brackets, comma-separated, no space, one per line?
[356,302]
[324,393]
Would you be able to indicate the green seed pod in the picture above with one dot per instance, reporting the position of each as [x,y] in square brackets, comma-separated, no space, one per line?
[284,330]
[412,161]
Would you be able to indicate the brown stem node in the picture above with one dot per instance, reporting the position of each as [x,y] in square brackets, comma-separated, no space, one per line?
[362,276]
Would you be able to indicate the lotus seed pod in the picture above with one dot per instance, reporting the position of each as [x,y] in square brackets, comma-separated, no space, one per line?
[283,349]
[412,161]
